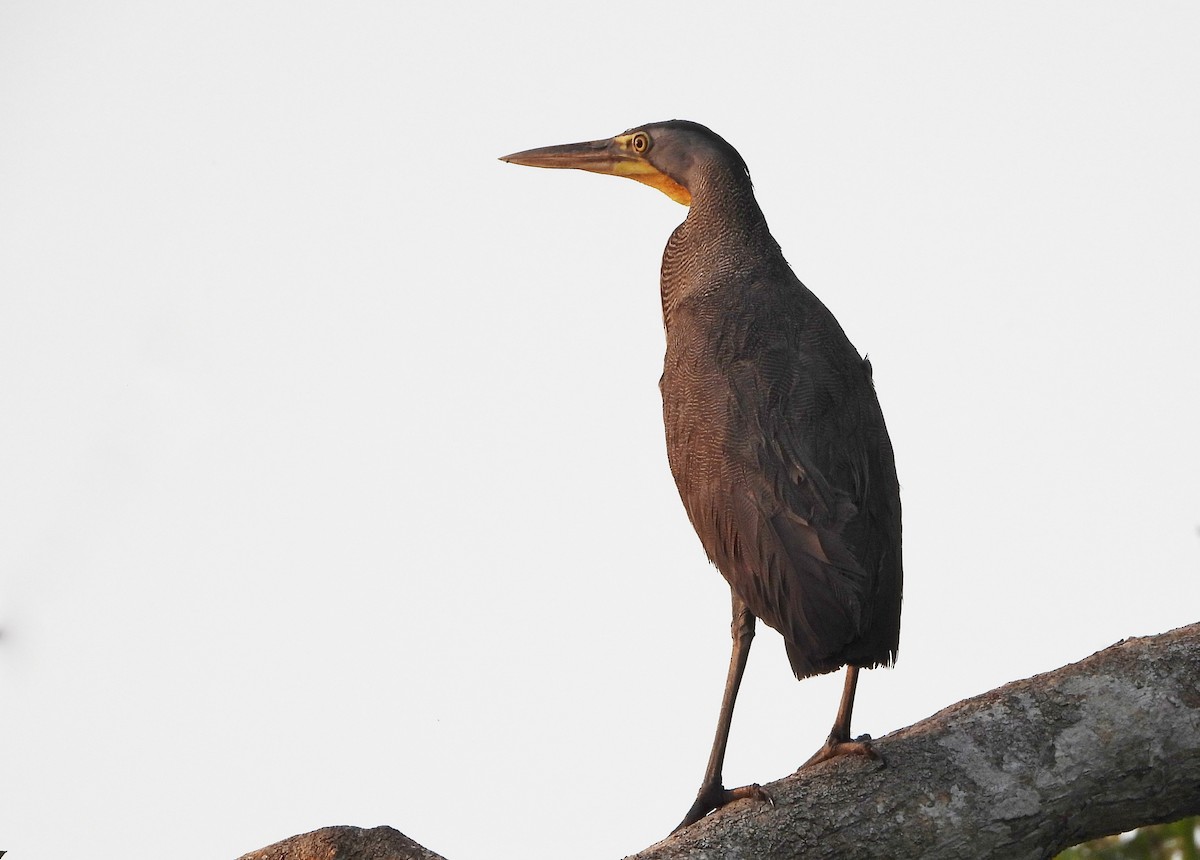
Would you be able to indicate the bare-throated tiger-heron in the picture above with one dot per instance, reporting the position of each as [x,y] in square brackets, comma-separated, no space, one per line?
[774,432]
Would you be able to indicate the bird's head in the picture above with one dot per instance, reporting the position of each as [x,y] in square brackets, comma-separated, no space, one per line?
[671,156]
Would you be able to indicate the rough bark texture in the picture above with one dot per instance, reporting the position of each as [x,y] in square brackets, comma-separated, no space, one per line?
[1103,745]
[1094,748]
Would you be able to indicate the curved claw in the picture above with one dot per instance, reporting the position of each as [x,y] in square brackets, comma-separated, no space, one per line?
[713,797]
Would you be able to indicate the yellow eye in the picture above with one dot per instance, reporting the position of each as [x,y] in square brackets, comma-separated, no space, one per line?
[640,142]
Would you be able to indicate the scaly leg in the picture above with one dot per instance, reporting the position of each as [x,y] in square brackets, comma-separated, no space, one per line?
[712,794]
[839,743]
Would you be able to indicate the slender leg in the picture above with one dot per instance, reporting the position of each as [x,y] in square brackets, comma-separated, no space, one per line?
[712,794]
[839,743]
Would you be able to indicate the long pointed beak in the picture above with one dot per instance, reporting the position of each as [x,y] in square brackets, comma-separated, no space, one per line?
[603,156]
[598,156]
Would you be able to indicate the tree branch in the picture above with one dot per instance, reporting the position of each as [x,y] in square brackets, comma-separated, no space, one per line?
[1097,747]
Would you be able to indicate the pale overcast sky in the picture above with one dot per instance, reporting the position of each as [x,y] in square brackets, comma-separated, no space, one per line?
[334,478]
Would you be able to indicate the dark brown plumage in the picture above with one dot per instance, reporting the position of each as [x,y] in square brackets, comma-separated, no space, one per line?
[774,433]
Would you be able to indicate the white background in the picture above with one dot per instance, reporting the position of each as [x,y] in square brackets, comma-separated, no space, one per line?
[334,486]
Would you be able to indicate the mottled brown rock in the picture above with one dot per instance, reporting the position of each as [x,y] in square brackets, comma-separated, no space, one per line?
[345,843]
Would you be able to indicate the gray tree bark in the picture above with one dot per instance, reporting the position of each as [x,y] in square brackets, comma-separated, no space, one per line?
[1098,747]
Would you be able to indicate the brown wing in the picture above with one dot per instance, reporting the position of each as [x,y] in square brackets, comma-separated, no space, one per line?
[784,468]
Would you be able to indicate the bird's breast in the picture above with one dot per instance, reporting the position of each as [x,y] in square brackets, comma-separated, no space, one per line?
[704,427]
